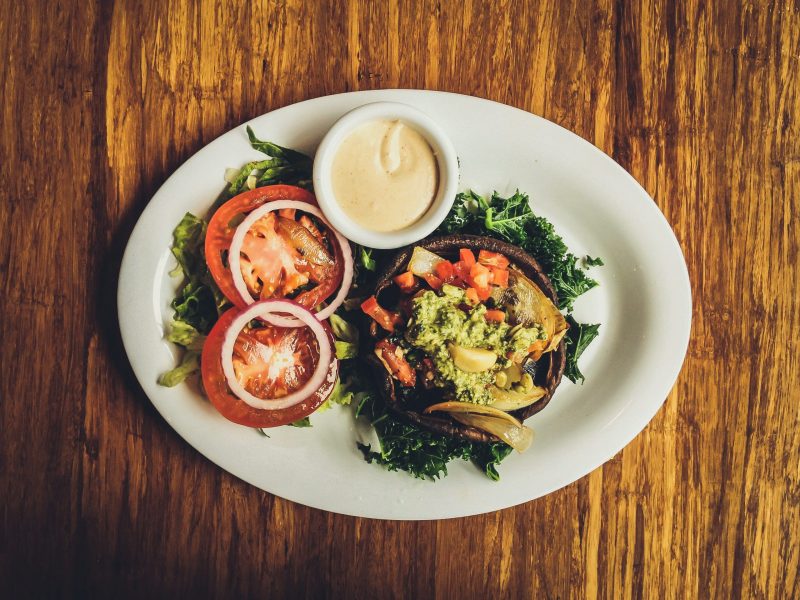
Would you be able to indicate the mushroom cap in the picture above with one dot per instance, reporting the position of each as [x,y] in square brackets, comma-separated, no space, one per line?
[550,366]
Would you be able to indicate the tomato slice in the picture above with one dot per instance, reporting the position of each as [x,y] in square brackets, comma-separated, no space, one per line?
[270,362]
[282,254]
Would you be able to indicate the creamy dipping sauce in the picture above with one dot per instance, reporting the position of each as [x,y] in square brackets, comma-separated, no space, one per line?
[384,175]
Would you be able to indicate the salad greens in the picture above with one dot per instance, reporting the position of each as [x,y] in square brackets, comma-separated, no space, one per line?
[579,335]
[283,166]
[189,364]
[425,454]
[198,302]
[402,444]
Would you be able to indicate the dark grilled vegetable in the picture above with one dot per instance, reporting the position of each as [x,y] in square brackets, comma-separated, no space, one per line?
[549,368]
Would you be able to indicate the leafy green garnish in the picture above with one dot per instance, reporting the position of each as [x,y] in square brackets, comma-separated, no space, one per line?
[189,364]
[287,155]
[199,302]
[488,456]
[422,453]
[341,394]
[185,335]
[352,383]
[364,265]
[365,259]
[304,422]
[188,237]
[285,166]
[342,330]
[512,220]
[346,338]
[593,262]
[579,335]
[346,350]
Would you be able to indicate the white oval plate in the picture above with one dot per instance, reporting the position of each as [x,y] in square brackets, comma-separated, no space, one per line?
[643,303]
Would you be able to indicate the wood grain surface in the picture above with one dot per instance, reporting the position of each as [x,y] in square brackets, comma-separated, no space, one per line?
[101,101]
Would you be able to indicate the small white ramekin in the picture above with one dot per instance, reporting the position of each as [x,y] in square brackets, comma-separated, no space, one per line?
[445,157]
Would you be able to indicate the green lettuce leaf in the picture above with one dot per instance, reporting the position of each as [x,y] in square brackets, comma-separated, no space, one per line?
[284,165]
[199,302]
[346,350]
[342,330]
[185,335]
[189,364]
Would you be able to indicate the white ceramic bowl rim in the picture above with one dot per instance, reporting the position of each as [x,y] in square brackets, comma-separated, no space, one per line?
[446,158]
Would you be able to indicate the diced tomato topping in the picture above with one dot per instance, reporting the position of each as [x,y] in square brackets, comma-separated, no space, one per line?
[406,281]
[461,271]
[495,316]
[433,280]
[466,256]
[499,277]
[289,213]
[385,318]
[484,293]
[369,305]
[479,279]
[479,276]
[446,271]
[494,259]
[472,296]
[392,358]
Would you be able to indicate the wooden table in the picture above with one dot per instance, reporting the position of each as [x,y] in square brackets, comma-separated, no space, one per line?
[101,101]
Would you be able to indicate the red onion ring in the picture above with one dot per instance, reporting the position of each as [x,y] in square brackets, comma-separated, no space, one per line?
[264,309]
[234,258]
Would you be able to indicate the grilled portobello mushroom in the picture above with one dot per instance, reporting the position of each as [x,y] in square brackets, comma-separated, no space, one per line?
[547,370]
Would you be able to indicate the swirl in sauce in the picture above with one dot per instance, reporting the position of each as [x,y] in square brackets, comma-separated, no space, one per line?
[385,175]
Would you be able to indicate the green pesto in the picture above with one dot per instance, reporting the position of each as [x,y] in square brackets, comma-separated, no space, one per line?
[438,320]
